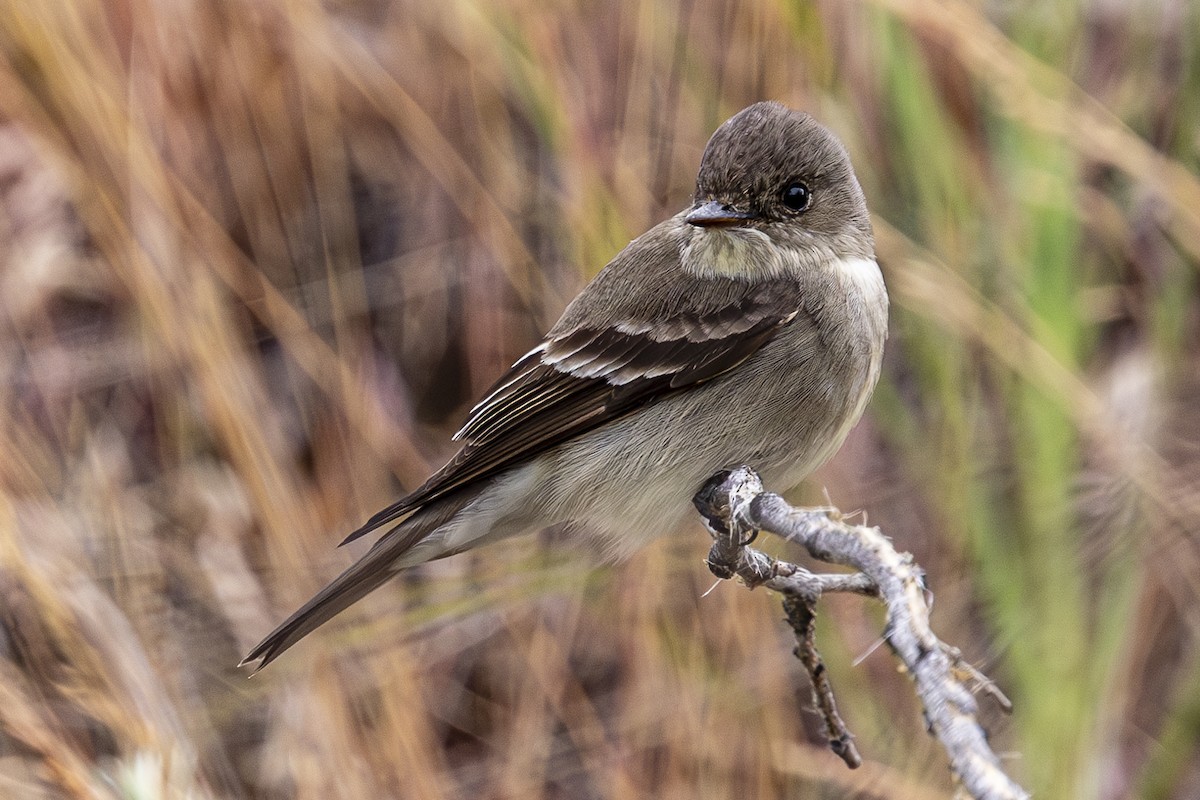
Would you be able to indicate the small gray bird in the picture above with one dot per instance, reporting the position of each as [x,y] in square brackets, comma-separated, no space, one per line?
[747,329]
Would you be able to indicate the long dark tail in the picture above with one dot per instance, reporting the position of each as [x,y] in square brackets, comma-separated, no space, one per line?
[360,579]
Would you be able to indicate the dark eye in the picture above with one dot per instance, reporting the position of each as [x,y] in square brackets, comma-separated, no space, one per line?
[796,196]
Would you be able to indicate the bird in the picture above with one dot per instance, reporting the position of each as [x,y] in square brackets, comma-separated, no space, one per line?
[748,328]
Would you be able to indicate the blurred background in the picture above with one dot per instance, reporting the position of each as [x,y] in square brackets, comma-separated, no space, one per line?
[258,257]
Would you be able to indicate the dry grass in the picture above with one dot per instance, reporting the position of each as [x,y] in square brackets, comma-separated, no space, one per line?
[257,257]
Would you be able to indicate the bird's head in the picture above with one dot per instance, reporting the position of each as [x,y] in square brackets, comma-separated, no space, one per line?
[773,176]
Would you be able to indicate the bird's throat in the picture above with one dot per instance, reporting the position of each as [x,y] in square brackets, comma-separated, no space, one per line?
[733,253]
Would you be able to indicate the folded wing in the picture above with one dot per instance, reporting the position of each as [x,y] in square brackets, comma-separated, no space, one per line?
[584,377]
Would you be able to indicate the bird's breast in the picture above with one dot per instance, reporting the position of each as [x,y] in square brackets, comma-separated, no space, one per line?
[815,379]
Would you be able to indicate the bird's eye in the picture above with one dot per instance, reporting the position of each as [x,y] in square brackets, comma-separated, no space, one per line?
[796,196]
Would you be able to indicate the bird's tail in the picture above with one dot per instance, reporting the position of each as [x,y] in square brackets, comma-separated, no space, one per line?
[393,551]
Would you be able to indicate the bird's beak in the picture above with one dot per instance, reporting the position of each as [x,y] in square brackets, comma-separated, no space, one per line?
[713,214]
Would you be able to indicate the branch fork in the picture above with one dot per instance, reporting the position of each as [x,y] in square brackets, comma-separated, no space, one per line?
[735,507]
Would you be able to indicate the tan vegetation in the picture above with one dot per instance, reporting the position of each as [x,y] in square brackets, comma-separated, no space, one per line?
[257,258]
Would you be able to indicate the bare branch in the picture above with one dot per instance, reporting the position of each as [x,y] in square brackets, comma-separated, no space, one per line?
[736,508]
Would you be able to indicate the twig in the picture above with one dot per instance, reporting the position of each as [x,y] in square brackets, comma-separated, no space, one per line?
[736,508]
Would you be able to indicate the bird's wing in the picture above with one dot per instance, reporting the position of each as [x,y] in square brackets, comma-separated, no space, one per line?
[585,374]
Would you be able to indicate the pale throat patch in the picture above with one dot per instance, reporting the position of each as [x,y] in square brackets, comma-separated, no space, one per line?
[733,253]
